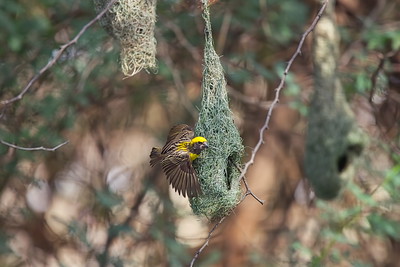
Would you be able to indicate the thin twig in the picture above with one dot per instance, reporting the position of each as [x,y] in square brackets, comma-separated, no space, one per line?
[248,190]
[41,148]
[54,59]
[265,126]
[279,88]
[207,241]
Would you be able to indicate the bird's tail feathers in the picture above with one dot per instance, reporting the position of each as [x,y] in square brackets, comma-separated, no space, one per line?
[155,156]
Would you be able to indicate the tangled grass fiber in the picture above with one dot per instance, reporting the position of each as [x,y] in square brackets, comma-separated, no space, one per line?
[132,23]
[217,168]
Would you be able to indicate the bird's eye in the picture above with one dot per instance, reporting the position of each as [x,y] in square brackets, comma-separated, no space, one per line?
[200,143]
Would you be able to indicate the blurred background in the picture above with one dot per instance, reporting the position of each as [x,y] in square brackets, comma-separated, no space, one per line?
[96,202]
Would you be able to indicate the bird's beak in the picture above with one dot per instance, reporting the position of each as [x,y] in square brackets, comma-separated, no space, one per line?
[205,145]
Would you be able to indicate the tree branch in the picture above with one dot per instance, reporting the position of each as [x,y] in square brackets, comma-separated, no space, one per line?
[207,241]
[249,192]
[41,148]
[279,88]
[57,56]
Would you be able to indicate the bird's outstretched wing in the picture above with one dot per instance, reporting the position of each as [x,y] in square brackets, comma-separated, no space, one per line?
[181,175]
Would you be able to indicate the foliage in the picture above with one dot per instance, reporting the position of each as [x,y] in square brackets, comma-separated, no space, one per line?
[84,97]
[345,228]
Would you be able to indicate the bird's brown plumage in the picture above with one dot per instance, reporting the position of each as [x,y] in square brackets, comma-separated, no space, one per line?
[176,161]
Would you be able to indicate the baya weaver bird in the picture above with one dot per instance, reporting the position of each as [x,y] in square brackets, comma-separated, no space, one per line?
[176,158]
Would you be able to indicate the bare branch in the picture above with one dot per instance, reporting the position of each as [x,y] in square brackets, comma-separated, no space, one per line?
[207,241]
[265,126]
[279,88]
[249,192]
[41,148]
[57,56]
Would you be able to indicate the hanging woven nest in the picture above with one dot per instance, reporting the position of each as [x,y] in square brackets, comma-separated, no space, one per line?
[132,23]
[217,168]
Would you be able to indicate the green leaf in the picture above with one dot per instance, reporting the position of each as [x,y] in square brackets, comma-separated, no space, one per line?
[392,182]
[363,82]
[262,70]
[384,226]
[4,248]
[116,229]
[316,261]
[363,197]
[80,231]
[382,40]
[15,43]
[361,264]
[239,76]
[108,199]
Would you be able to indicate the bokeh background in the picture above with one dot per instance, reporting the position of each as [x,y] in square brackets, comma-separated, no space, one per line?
[97,202]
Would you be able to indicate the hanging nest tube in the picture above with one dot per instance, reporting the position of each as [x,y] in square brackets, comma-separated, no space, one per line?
[218,167]
[132,23]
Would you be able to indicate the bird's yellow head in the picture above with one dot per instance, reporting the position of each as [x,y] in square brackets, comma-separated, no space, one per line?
[198,139]
[197,145]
